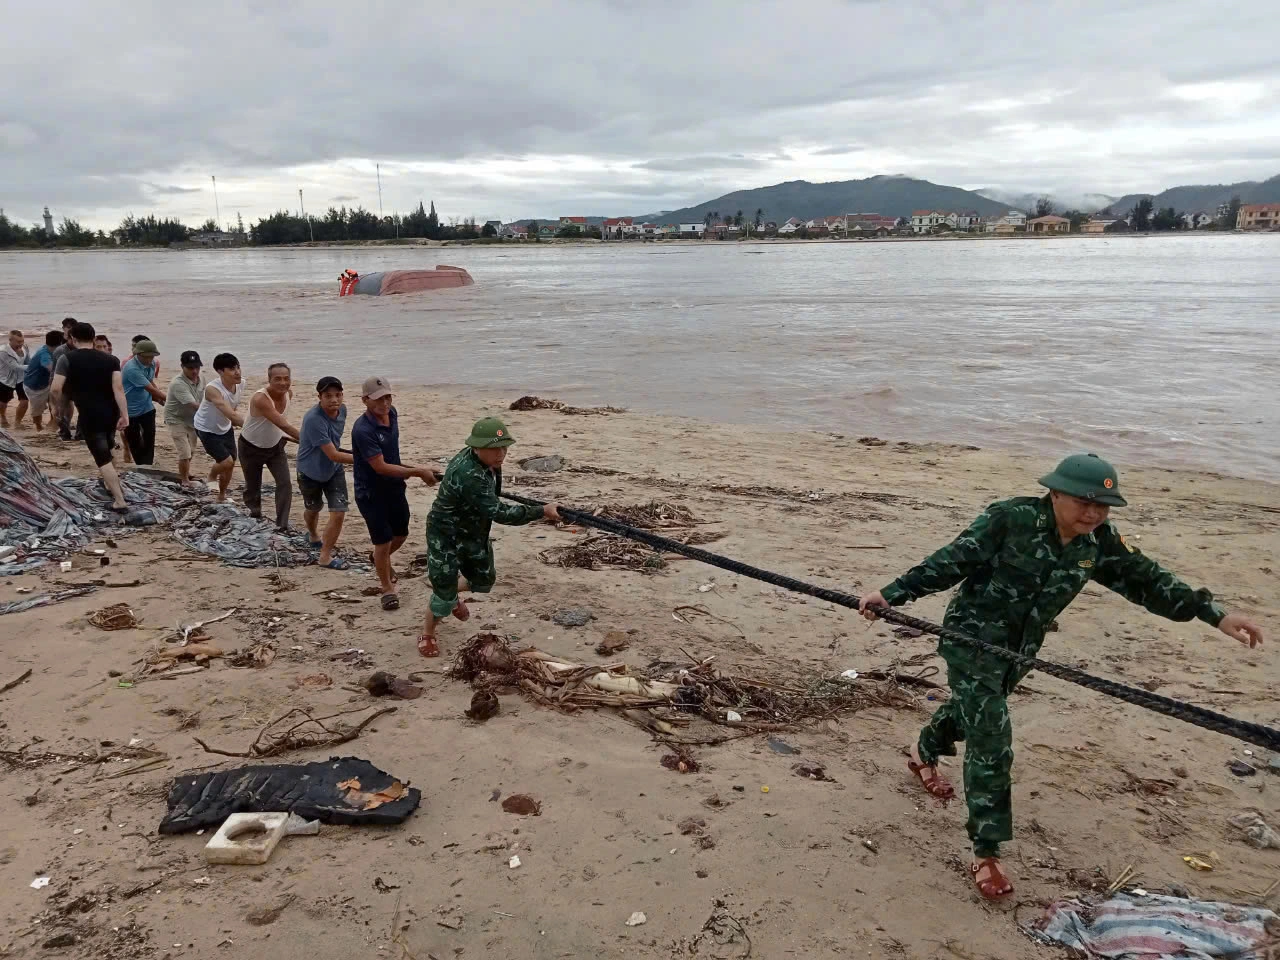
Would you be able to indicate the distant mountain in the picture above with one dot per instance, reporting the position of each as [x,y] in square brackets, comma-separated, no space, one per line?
[1205,197]
[892,196]
[1084,202]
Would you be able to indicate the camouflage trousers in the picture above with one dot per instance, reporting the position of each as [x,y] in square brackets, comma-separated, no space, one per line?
[978,714]
[446,558]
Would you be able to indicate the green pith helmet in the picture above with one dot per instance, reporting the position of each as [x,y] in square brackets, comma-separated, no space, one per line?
[1089,477]
[490,433]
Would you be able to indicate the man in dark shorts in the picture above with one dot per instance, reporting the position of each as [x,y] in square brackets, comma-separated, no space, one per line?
[380,481]
[92,382]
[14,357]
[320,474]
[62,414]
[38,380]
[216,419]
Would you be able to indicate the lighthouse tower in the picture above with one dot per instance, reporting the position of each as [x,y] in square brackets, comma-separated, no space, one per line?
[48,222]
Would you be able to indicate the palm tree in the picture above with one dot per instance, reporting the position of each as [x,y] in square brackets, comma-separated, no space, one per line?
[707,217]
[737,218]
[759,218]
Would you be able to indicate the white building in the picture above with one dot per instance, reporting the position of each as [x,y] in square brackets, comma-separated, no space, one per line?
[1011,222]
[691,229]
[791,226]
[923,221]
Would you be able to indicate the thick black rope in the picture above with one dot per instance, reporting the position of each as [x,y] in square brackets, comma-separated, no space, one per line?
[1254,733]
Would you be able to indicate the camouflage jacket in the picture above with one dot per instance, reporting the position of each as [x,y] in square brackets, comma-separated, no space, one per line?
[1016,576]
[467,502]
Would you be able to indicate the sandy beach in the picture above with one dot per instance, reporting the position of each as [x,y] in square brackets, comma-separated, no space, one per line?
[864,866]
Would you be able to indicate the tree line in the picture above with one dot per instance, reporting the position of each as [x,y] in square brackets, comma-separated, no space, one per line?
[335,224]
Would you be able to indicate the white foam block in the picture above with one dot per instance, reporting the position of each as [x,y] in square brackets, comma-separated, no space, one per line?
[247,838]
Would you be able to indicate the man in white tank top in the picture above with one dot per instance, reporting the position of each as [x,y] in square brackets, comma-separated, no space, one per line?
[216,419]
[262,441]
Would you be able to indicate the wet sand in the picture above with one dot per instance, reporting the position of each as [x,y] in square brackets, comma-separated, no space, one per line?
[790,864]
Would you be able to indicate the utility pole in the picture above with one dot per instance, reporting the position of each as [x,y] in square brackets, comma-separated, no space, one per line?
[216,209]
[303,207]
[378,168]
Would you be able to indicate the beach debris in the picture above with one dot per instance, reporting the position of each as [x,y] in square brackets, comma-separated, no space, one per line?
[781,746]
[653,515]
[39,883]
[257,655]
[849,675]
[538,403]
[1255,831]
[279,583]
[615,641]
[552,463]
[636,919]
[764,789]
[314,681]
[297,826]
[1241,769]
[732,716]
[572,617]
[383,684]
[1164,926]
[45,599]
[681,614]
[166,658]
[812,773]
[665,697]
[186,632]
[1199,862]
[268,914]
[340,790]
[246,838]
[484,705]
[21,678]
[30,760]
[513,863]
[681,762]
[522,804]
[605,550]
[299,730]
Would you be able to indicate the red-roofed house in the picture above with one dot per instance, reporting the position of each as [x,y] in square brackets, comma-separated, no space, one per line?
[575,223]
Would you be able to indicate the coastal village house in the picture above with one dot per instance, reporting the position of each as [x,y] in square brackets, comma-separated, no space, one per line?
[923,221]
[790,227]
[1015,221]
[574,223]
[1049,224]
[691,230]
[1097,224]
[1258,216]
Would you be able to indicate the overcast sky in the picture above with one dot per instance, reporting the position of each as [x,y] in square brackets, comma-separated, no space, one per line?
[549,107]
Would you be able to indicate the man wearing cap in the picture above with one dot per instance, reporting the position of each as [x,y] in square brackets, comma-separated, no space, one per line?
[380,481]
[1018,566]
[141,394]
[320,474]
[458,526]
[180,406]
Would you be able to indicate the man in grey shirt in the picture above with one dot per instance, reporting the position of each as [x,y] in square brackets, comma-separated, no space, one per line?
[63,411]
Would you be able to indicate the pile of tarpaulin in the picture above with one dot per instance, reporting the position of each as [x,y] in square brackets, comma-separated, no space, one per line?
[43,519]
[1151,927]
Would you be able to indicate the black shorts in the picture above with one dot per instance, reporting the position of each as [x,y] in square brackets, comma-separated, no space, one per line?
[219,446]
[100,443]
[7,392]
[386,514]
[314,493]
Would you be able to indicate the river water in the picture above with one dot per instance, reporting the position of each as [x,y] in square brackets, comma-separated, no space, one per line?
[1161,350]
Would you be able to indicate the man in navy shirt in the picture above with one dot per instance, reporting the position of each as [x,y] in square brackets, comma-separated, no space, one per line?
[320,474]
[380,481]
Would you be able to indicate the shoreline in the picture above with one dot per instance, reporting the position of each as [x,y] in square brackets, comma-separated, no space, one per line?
[591,242]
[821,507]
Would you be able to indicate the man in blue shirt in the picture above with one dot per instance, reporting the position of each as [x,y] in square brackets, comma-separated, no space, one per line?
[320,474]
[38,380]
[380,481]
[141,394]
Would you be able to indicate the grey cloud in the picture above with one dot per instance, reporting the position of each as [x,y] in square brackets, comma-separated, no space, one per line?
[111,107]
[344,198]
[172,190]
[705,162]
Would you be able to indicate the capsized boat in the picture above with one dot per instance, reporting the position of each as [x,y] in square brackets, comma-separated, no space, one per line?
[384,283]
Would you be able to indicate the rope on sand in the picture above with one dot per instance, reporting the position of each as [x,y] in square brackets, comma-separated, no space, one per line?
[1244,730]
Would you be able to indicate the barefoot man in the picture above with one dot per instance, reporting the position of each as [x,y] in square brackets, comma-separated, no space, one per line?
[380,481]
[180,406]
[216,419]
[14,356]
[459,554]
[1019,565]
[320,475]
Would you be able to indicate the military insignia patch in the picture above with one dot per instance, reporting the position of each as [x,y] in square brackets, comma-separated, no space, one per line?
[1087,564]
[1125,543]
[1108,483]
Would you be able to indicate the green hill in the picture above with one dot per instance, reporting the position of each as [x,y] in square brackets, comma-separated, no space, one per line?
[1205,197]
[888,195]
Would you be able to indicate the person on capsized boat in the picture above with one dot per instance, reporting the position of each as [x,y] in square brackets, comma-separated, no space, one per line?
[1019,565]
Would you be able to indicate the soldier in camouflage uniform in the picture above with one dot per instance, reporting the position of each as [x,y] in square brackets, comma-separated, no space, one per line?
[1018,566]
[458,526]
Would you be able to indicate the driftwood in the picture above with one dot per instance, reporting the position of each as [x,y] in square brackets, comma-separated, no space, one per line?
[271,741]
[13,683]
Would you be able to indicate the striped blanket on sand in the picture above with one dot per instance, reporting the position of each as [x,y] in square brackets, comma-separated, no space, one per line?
[1159,928]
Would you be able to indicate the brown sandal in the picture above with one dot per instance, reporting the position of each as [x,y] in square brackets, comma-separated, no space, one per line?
[461,612]
[428,647]
[934,784]
[997,885]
